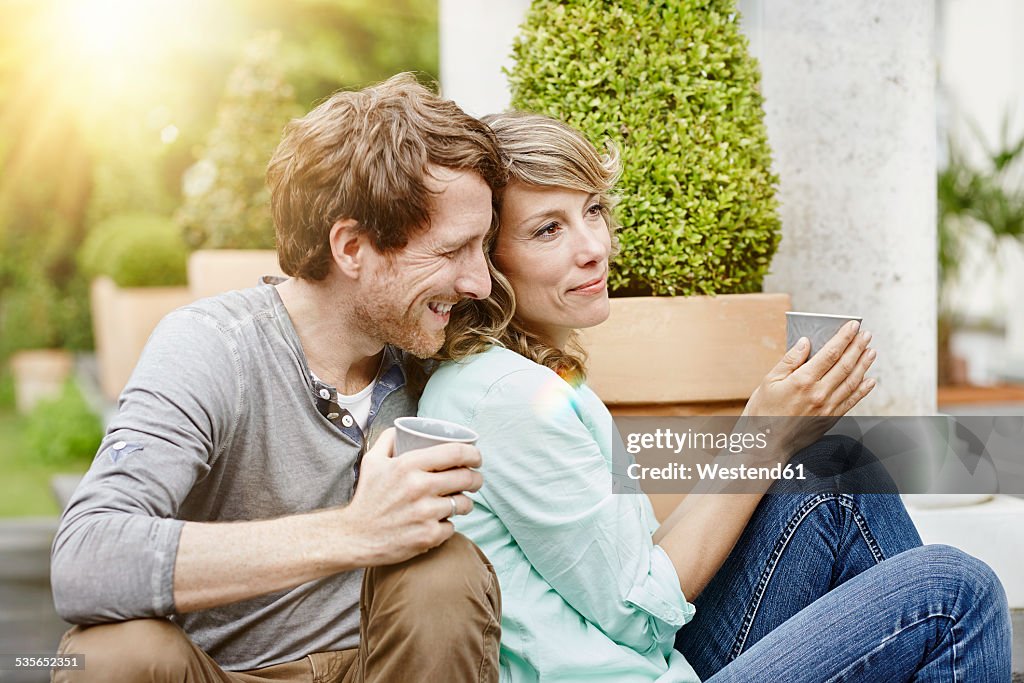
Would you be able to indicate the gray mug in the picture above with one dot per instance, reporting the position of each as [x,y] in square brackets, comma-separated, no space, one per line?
[412,433]
[817,327]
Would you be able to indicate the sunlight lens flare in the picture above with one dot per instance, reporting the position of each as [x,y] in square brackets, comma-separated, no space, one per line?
[105,28]
[113,43]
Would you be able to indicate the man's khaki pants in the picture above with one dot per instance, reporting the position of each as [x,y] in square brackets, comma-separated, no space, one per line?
[435,617]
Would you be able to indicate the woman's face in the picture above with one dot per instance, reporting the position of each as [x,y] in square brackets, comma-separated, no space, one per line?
[553,246]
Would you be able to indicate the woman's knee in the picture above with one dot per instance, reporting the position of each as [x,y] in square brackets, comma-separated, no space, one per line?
[972,572]
[963,579]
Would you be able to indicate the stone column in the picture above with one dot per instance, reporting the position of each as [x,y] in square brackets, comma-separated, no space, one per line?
[850,103]
[850,108]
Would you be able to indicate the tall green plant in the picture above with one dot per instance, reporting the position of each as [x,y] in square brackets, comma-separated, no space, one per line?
[990,195]
[671,83]
[227,204]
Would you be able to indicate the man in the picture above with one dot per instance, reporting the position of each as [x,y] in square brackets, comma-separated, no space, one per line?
[217,531]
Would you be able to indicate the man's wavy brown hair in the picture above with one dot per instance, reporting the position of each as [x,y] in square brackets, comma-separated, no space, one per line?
[366,156]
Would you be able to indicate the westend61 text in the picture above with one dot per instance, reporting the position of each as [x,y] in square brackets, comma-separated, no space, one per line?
[666,439]
[711,472]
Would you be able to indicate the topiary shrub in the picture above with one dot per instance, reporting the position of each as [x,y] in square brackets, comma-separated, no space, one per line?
[136,250]
[671,83]
[227,204]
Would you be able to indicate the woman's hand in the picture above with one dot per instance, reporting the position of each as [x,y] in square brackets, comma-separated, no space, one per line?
[817,392]
[826,387]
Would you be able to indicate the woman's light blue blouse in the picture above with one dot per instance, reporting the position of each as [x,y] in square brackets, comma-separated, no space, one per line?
[586,595]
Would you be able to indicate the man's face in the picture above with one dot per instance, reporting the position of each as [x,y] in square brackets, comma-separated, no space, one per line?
[408,293]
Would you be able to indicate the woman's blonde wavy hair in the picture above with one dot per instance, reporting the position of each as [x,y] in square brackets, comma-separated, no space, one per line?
[542,151]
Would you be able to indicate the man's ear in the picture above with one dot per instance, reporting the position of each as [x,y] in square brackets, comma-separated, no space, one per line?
[348,246]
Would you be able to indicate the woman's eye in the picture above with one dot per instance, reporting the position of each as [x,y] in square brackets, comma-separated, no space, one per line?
[548,230]
[595,209]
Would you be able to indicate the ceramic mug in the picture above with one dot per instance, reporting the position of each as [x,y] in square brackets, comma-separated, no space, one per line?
[422,432]
[817,327]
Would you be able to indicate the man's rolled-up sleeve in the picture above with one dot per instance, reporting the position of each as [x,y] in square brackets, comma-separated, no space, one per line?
[114,553]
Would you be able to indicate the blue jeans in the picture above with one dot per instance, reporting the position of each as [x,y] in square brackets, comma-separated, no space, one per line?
[830,585]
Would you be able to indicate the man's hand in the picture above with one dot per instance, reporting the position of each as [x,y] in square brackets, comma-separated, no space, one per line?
[401,505]
[826,387]
[399,510]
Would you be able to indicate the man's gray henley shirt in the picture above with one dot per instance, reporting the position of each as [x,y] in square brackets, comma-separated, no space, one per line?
[218,423]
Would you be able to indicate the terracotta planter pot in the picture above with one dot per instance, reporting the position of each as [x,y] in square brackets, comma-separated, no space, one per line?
[685,355]
[123,319]
[213,271]
[38,375]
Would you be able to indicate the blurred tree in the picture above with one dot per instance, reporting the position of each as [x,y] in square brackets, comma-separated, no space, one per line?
[227,205]
[332,44]
[104,105]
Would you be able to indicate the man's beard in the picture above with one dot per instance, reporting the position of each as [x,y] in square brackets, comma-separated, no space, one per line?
[381,319]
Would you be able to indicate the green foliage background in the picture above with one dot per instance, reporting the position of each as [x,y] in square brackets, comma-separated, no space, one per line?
[989,194]
[671,83]
[231,207]
[64,430]
[77,147]
[136,250]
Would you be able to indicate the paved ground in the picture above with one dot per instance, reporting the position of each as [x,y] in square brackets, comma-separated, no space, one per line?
[28,623]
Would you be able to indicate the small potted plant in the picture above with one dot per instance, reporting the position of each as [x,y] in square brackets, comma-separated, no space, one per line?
[32,340]
[137,262]
[44,312]
[674,87]
[226,213]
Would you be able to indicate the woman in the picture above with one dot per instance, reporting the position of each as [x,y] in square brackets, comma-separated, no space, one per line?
[815,587]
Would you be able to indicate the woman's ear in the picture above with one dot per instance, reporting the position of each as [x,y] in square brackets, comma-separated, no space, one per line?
[348,246]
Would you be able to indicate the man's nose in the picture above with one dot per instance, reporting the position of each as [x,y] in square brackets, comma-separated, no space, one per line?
[475,280]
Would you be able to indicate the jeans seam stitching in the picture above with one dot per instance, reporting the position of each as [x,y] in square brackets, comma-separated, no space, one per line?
[862,526]
[773,559]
